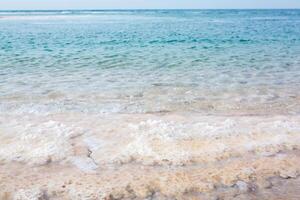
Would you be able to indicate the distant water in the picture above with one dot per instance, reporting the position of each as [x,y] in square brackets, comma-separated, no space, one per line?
[206,61]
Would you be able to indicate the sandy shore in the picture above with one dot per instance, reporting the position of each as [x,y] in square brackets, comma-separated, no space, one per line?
[249,177]
[149,156]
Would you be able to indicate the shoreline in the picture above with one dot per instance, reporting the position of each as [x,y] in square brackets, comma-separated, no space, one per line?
[150,156]
[254,178]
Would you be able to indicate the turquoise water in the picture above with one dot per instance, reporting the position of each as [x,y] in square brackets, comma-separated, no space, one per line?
[206,61]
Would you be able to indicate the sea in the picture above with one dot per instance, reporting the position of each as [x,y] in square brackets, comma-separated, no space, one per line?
[147,86]
[147,61]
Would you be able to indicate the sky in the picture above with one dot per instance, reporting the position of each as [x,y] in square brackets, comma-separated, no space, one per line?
[145,4]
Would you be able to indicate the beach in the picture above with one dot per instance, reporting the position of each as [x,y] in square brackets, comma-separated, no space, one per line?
[150,104]
[163,155]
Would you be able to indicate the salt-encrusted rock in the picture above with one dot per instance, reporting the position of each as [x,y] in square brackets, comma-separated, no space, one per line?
[246,174]
[84,193]
[288,173]
[30,194]
[264,184]
[116,194]
[242,186]
[85,164]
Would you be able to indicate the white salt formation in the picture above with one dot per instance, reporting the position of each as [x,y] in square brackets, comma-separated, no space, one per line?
[139,156]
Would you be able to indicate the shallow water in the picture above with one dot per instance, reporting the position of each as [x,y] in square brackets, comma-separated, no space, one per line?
[212,62]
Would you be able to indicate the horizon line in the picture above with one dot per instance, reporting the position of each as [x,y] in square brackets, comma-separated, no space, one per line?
[145,9]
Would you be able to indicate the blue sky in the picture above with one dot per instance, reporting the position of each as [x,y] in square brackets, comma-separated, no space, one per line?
[127,4]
